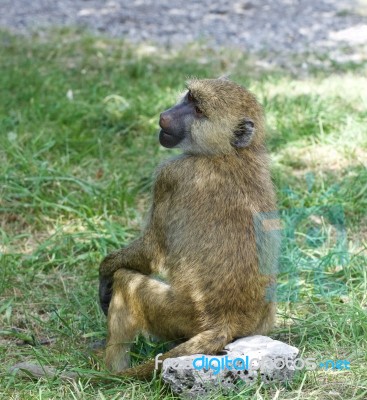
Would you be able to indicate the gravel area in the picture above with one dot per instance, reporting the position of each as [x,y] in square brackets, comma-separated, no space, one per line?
[273,26]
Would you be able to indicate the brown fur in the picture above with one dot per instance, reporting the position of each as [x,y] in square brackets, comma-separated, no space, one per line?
[201,234]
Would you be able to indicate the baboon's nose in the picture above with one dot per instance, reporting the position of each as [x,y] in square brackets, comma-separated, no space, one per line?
[164,121]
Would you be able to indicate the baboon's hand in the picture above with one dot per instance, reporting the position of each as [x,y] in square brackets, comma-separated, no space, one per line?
[130,257]
[106,270]
[105,292]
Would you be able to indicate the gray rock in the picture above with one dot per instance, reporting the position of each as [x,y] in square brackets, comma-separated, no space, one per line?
[258,357]
[35,371]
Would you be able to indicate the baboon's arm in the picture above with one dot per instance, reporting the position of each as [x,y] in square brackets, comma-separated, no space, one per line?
[136,256]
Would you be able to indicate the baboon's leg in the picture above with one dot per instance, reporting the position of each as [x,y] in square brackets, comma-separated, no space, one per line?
[138,303]
[207,342]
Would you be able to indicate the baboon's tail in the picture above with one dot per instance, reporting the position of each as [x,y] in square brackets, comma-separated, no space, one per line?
[208,342]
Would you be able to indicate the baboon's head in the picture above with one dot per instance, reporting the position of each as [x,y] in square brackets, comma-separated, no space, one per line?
[216,116]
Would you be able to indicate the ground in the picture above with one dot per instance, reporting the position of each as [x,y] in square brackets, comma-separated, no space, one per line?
[78,146]
[277,28]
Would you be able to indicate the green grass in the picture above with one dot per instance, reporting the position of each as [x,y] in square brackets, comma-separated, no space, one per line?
[78,145]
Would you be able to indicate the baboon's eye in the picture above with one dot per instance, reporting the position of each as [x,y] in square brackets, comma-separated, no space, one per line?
[189,97]
[198,111]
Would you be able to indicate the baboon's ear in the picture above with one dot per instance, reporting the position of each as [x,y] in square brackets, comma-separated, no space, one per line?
[243,134]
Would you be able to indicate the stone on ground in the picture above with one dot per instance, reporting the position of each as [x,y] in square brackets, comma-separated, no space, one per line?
[258,358]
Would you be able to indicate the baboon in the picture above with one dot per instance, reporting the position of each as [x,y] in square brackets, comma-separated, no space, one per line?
[201,234]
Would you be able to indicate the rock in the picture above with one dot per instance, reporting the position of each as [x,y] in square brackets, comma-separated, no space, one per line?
[258,357]
[36,371]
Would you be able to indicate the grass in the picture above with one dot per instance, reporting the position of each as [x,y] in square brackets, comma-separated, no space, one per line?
[78,145]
